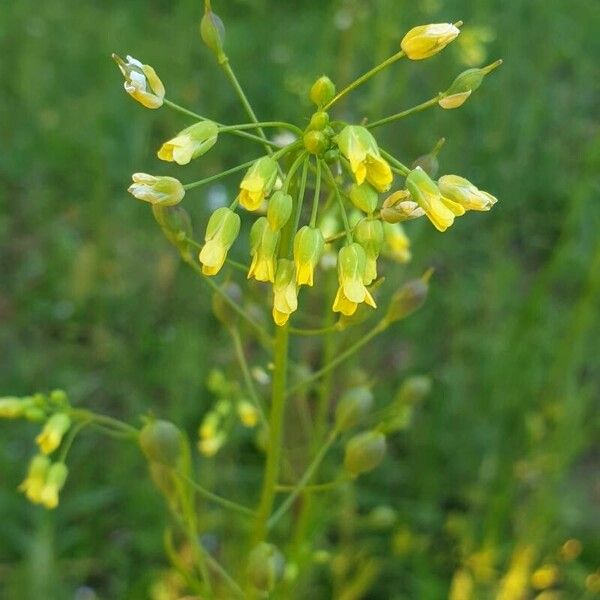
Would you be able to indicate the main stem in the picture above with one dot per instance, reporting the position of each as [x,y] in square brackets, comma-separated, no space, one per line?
[278,396]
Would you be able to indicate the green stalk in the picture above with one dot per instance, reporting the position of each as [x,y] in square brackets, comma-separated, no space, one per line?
[316,197]
[338,195]
[280,124]
[404,170]
[424,105]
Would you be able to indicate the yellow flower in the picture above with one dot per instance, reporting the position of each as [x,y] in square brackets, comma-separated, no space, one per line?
[55,481]
[364,197]
[399,207]
[285,292]
[12,408]
[247,413]
[279,210]
[308,247]
[264,243]
[36,478]
[53,432]
[426,40]
[141,82]
[221,231]
[360,148]
[454,100]
[258,183]
[463,192]
[166,191]
[369,234]
[462,585]
[192,142]
[352,291]
[396,245]
[439,210]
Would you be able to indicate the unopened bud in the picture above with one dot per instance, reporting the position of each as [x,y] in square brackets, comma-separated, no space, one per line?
[265,567]
[364,197]
[279,210]
[364,452]
[53,432]
[426,40]
[322,91]
[319,121]
[409,298]
[353,407]
[316,142]
[160,442]
[212,31]
[414,389]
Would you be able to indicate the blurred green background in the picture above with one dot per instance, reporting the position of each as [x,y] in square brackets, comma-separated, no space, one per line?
[93,300]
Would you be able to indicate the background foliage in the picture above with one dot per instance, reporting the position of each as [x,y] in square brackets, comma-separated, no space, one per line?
[94,301]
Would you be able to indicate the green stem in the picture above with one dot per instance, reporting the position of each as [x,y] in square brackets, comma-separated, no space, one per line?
[406,113]
[363,78]
[241,357]
[198,117]
[66,446]
[298,209]
[404,170]
[292,171]
[338,195]
[309,332]
[308,474]
[317,487]
[234,506]
[280,124]
[316,197]
[272,466]
[381,326]
[195,184]
[88,416]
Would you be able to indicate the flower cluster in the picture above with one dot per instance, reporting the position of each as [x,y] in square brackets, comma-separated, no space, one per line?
[349,173]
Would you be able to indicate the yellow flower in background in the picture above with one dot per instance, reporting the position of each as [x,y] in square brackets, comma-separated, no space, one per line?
[360,148]
[440,211]
[308,247]
[352,291]
[258,183]
[264,243]
[222,230]
[36,478]
[192,142]
[462,586]
[462,191]
[141,82]
[247,413]
[515,583]
[396,243]
[55,481]
[427,40]
[162,190]
[53,432]
[285,292]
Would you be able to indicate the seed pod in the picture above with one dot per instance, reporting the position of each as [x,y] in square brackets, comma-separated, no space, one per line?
[322,91]
[429,162]
[409,298]
[353,407]
[160,442]
[176,226]
[364,452]
[212,31]
[265,567]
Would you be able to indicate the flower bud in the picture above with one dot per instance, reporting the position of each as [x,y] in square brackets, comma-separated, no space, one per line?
[353,407]
[316,142]
[463,192]
[364,452]
[308,247]
[36,478]
[414,389]
[426,40]
[464,85]
[258,183]
[369,234]
[141,82]
[160,442]
[53,432]
[319,121]
[163,190]
[351,272]
[279,210]
[13,408]
[221,231]
[35,414]
[364,197]
[221,308]
[397,244]
[440,211]
[212,31]
[265,567]
[285,292]
[192,142]
[358,145]
[247,413]
[55,481]
[409,298]
[322,91]
[264,243]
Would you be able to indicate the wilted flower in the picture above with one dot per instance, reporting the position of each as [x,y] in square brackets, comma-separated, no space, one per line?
[426,40]
[141,82]
[264,243]
[285,292]
[351,271]
[192,142]
[52,434]
[163,190]
[222,230]
[360,148]
[258,183]
[463,192]
[439,210]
